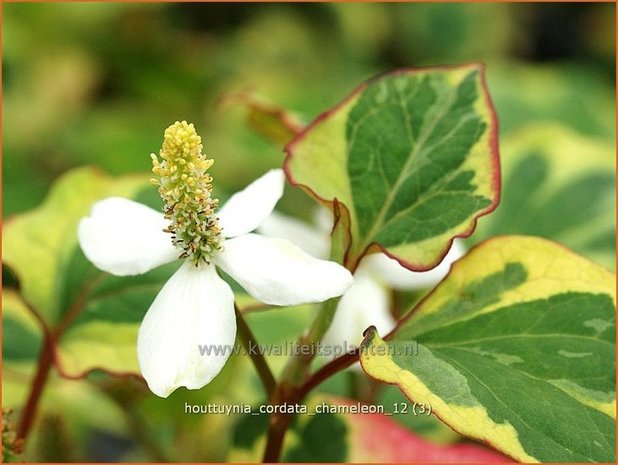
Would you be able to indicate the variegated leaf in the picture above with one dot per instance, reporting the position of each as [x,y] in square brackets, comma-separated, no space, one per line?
[516,348]
[411,154]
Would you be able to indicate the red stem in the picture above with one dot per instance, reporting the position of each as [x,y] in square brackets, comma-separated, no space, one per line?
[327,371]
[276,432]
[46,359]
[279,422]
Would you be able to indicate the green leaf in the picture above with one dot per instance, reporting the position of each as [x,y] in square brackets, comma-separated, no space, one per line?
[516,348]
[561,186]
[413,157]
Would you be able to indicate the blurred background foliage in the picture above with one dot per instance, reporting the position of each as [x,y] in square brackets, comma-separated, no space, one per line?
[96,84]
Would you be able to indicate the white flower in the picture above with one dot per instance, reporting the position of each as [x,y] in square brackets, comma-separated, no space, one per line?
[367,302]
[196,307]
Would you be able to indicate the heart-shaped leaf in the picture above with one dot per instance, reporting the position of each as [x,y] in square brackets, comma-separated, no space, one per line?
[412,155]
[516,347]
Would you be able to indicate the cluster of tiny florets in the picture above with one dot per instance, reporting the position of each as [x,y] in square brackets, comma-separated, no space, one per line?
[185,187]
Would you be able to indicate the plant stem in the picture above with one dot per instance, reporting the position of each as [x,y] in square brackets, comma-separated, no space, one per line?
[295,382]
[327,371]
[46,359]
[277,428]
[296,369]
[247,339]
[289,393]
[323,320]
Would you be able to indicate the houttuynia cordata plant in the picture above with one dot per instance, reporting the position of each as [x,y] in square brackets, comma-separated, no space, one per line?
[509,341]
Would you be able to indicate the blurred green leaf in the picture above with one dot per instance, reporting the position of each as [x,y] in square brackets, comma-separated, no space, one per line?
[280,327]
[559,185]
[322,439]
[578,97]
[39,245]
[22,333]
[438,33]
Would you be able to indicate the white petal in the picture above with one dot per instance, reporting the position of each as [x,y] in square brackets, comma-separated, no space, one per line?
[277,272]
[125,238]
[299,233]
[398,277]
[193,311]
[246,210]
[323,218]
[366,303]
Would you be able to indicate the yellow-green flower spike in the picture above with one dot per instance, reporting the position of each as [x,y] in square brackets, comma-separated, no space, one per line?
[185,187]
